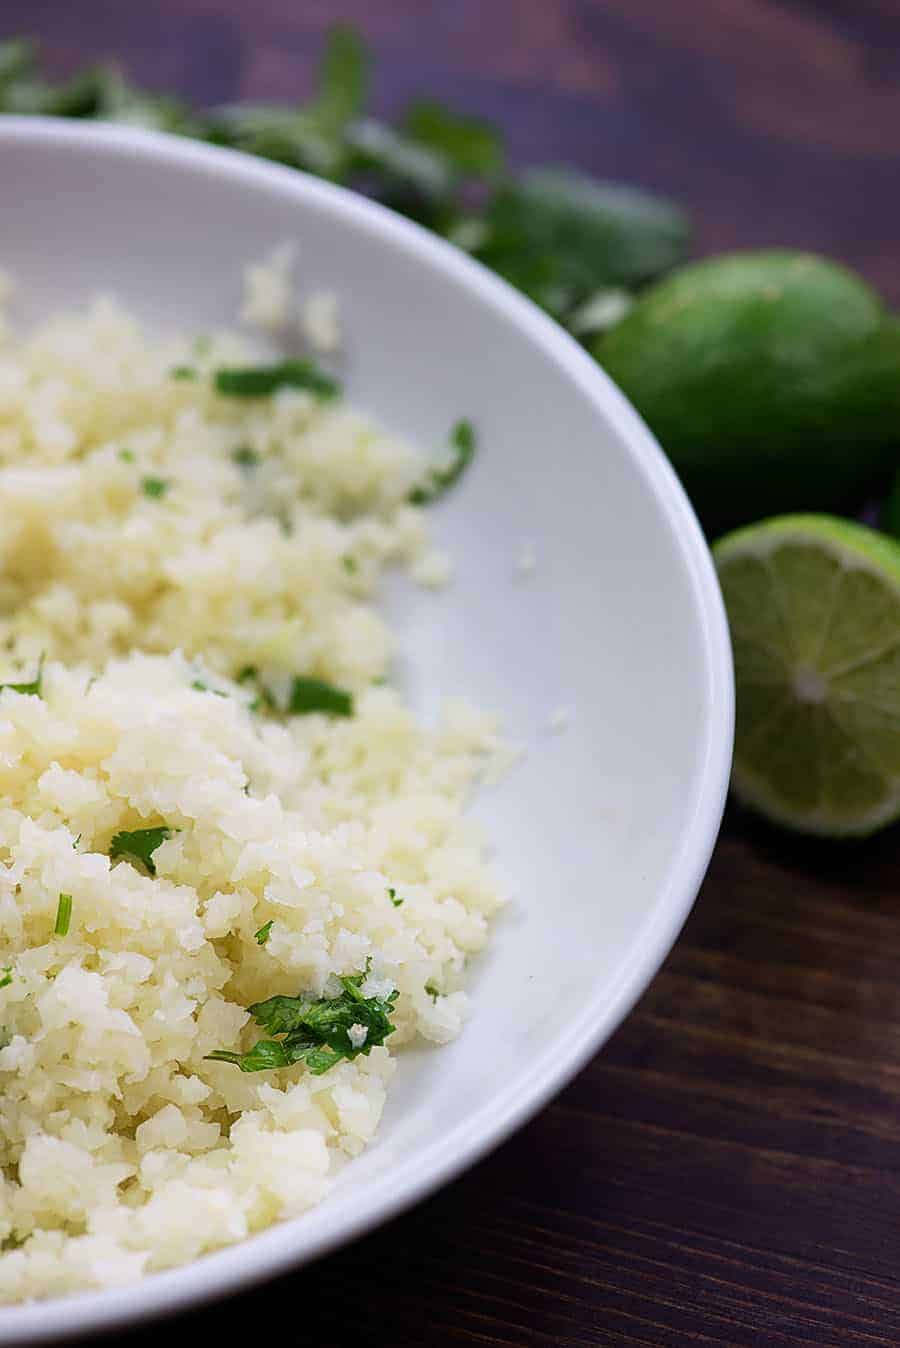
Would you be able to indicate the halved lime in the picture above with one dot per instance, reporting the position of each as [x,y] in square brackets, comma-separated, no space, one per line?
[814,609]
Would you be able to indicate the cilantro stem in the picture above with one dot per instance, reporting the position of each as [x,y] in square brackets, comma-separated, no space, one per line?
[63,915]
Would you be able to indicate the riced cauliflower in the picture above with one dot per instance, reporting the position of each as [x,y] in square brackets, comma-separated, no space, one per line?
[210,797]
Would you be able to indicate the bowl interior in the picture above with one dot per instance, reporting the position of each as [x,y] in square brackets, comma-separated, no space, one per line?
[603,830]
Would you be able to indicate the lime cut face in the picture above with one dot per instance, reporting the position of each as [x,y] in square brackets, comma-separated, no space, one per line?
[814,609]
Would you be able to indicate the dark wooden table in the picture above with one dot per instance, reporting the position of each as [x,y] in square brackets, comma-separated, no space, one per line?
[727,1170]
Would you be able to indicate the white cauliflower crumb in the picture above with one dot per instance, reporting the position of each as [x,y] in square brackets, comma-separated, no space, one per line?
[267,300]
[433,569]
[320,320]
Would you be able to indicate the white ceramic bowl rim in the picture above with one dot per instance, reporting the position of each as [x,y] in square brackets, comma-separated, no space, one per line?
[276,1249]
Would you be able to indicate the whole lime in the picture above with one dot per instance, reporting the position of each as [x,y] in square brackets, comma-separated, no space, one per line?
[772,380]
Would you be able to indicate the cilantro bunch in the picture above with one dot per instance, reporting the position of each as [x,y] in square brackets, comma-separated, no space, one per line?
[576,245]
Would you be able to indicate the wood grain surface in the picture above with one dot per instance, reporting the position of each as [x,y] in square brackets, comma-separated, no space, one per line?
[727,1170]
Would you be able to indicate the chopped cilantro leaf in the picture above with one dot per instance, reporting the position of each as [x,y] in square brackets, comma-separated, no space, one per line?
[6,976]
[154,487]
[432,991]
[126,455]
[392,895]
[32,689]
[183,372]
[256,381]
[63,915]
[311,695]
[245,457]
[264,932]
[316,1032]
[139,845]
[440,480]
[199,686]
[250,675]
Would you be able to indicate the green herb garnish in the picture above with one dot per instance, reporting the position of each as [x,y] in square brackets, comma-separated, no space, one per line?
[432,991]
[63,915]
[250,676]
[312,695]
[318,1032]
[183,372]
[154,487]
[392,895]
[350,564]
[245,457]
[200,687]
[6,976]
[32,689]
[440,480]
[139,845]
[264,932]
[256,381]
[126,455]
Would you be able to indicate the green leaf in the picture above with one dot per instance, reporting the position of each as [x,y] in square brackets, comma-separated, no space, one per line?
[316,1031]
[126,455]
[408,176]
[264,932]
[245,457]
[472,147]
[265,1054]
[32,688]
[433,992]
[139,845]
[6,976]
[392,895]
[561,235]
[63,915]
[154,487]
[200,687]
[311,136]
[18,56]
[440,480]
[315,695]
[257,381]
[343,78]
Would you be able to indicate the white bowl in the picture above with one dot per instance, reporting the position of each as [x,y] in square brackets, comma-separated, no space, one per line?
[606,828]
